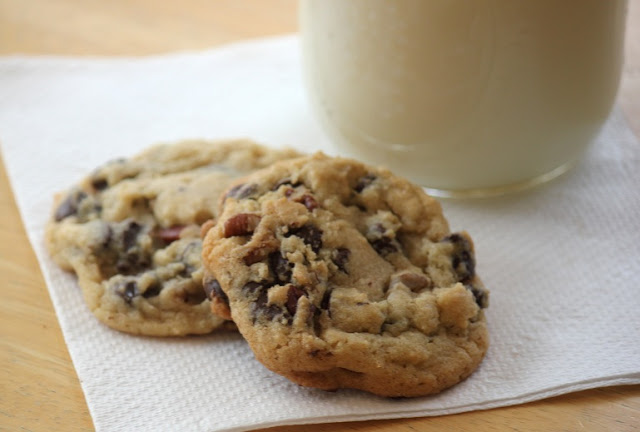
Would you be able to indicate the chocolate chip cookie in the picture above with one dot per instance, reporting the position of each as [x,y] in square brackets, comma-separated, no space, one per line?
[341,275]
[131,233]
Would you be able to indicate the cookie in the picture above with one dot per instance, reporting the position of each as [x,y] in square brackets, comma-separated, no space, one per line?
[131,233]
[341,275]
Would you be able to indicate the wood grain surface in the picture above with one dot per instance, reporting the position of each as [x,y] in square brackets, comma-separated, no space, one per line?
[39,389]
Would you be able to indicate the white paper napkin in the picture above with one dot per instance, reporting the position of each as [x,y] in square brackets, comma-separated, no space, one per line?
[562,261]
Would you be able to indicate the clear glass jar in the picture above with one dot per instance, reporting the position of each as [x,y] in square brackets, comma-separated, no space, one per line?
[465,97]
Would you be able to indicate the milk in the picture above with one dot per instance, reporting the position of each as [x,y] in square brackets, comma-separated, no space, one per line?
[463,95]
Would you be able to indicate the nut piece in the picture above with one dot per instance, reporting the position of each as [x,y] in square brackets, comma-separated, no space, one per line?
[241,224]
[169,234]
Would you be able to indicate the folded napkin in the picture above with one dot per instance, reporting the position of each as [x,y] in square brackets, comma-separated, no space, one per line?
[561,261]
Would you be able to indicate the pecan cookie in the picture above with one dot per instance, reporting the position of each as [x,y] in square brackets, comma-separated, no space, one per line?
[131,233]
[340,275]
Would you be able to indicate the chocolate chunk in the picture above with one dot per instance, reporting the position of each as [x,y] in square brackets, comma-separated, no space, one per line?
[213,289]
[380,241]
[69,206]
[233,192]
[260,308]
[340,258]
[314,321]
[241,224]
[310,235]
[131,263]
[107,235]
[326,300]
[464,265]
[128,291]
[283,182]
[152,290]
[241,191]
[480,295]
[293,295]
[364,181]
[280,267]
[462,259]
[99,184]
[251,288]
[193,296]
[384,246]
[187,271]
[130,235]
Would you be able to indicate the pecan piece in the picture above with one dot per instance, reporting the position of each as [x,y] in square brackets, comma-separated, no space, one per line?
[308,201]
[169,234]
[241,224]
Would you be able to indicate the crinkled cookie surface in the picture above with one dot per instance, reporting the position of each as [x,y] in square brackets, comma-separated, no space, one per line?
[131,233]
[343,275]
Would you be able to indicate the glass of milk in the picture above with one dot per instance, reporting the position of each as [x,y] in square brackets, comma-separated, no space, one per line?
[464,97]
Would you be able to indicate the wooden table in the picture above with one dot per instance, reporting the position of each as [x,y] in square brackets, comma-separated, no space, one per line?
[39,389]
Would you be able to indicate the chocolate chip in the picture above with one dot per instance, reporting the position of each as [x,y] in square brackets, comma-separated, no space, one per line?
[241,191]
[462,259]
[99,184]
[259,308]
[213,289]
[128,291]
[187,271]
[69,206]
[280,267]
[340,258]
[130,234]
[315,320]
[194,297]
[384,246]
[283,182]
[326,300]
[480,295]
[294,293]
[364,181]
[310,235]
[152,290]
[130,262]
[241,224]
[464,265]
[107,236]
[233,192]
[251,288]
[258,293]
